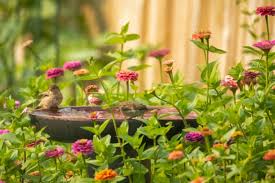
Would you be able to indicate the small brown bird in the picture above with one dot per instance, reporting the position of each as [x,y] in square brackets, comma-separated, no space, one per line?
[51,98]
[132,109]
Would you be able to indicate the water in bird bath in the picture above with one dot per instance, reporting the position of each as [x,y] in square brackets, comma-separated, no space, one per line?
[85,113]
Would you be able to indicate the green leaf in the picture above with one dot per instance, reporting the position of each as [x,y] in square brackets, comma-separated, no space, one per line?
[214,75]
[114,38]
[139,67]
[103,126]
[216,50]
[149,153]
[124,28]
[200,44]
[251,50]
[131,37]
[237,71]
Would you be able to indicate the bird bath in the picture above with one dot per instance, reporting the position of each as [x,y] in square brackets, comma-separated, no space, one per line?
[65,124]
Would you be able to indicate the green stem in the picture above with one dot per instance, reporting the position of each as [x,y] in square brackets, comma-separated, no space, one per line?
[120,66]
[208,76]
[224,171]
[207,144]
[171,77]
[266,72]
[85,164]
[267,27]
[270,119]
[127,90]
[160,69]
[172,104]
[120,143]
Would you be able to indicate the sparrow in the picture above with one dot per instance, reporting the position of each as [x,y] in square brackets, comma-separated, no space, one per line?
[132,109]
[51,98]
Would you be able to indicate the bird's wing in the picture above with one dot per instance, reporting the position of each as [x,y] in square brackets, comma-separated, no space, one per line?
[44,94]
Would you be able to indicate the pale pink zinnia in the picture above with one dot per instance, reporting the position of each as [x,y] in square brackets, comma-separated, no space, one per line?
[265,45]
[159,54]
[127,76]
[54,153]
[229,82]
[17,104]
[94,100]
[266,10]
[4,131]
[82,146]
[72,65]
[54,73]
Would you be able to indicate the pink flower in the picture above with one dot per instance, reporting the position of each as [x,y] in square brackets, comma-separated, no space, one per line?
[94,100]
[4,131]
[266,10]
[17,104]
[95,115]
[54,153]
[265,45]
[72,65]
[194,137]
[250,77]
[82,146]
[159,54]
[229,82]
[54,73]
[127,76]
[1,181]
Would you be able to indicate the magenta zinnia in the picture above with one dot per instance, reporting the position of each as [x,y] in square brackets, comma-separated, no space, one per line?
[54,153]
[4,131]
[265,45]
[159,54]
[266,10]
[194,136]
[82,146]
[127,76]
[72,65]
[54,73]
[250,77]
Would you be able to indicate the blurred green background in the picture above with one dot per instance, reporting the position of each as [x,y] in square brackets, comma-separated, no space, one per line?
[59,31]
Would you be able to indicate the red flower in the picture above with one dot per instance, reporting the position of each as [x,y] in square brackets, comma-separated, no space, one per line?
[201,35]
[229,82]
[54,153]
[269,155]
[159,54]
[127,76]
[266,10]
[54,73]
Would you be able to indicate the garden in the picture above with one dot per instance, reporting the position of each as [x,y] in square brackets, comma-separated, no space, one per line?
[87,120]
